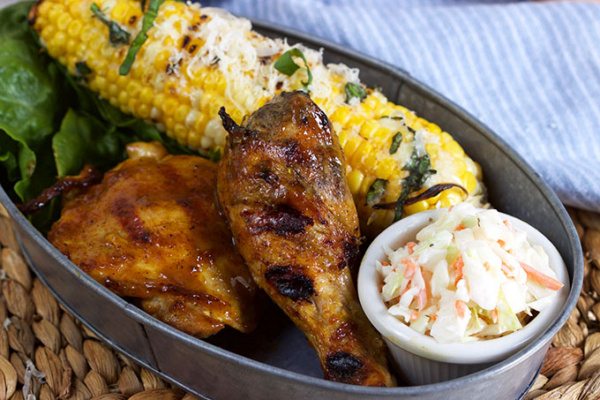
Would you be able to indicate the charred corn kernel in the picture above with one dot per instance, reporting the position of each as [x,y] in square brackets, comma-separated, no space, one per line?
[195,61]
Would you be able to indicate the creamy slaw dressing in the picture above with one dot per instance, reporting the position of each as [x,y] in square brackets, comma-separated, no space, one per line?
[469,275]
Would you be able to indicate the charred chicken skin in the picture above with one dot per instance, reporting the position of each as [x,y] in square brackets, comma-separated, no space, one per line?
[282,187]
[151,231]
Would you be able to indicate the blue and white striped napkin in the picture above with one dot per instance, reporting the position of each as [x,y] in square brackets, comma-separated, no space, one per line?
[529,70]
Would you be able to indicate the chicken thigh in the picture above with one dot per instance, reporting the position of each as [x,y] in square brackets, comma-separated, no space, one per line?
[151,231]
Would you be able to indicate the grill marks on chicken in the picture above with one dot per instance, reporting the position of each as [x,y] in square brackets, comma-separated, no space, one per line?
[282,186]
[290,282]
[281,219]
[151,231]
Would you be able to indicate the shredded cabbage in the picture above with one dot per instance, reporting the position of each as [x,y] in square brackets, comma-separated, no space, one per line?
[469,275]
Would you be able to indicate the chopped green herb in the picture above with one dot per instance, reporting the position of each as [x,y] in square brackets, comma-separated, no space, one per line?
[394,117]
[116,34]
[376,191]
[286,65]
[354,90]
[82,69]
[396,140]
[419,171]
[141,37]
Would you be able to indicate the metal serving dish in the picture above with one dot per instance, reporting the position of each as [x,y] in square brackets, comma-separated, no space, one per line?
[276,361]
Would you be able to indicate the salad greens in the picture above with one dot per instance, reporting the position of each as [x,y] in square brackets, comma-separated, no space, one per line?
[50,124]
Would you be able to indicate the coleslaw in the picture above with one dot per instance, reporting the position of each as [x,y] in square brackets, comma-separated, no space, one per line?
[469,275]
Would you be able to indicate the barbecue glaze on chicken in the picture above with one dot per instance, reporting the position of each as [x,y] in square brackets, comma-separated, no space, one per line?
[151,231]
[282,187]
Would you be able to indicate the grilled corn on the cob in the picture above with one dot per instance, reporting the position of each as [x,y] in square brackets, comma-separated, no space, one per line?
[196,60]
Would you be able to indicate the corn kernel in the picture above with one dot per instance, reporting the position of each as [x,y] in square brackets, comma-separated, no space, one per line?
[341,115]
[354,178]
[63,21]
[351,146]
[169,107]
[363,150]
[144,111]
[433,200]
[372,102]
[453,148]
[368,129]
[386,168]
[446,137]
[180,131]
[416,207]
[74,7]
[133,89]
[433,128]
[460,167]
[355,120]
[74,28]
[382,134]
[181,113]
[451,197]
[433,150]
[343,137]
[369,162]
[122,97]
[119,11]
[133,104]
[169,122]
[58,41]
[469,182]
[113,90]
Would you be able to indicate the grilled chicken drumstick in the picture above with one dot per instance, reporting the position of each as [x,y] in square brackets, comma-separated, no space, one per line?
[151,231]
[282,187]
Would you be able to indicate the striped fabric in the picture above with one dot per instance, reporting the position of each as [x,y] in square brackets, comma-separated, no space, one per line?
[530,71]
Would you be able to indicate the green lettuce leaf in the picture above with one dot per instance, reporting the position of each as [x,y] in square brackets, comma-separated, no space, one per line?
[28,103]
[14,20]
[83,139]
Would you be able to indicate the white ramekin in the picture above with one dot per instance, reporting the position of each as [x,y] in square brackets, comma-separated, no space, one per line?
[420,359]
